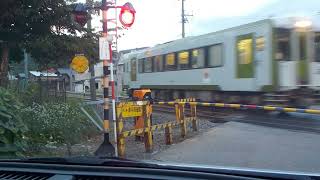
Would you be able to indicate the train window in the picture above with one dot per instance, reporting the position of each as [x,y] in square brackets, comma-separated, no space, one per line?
[197,58]
[183,59]
[283,44]
[148,64]
[140,65]
[158,63]
[245,52]
[215,55]
[134,69]
[170,64]
[317,47]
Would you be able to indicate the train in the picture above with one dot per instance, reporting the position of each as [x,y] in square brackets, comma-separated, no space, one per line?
[266,62]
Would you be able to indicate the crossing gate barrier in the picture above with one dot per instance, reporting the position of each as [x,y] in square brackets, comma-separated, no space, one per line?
[244,106]
[143,109]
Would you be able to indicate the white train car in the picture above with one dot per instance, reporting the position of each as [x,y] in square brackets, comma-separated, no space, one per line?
[239,64]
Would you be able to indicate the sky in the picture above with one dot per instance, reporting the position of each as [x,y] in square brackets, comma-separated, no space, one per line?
[158,21]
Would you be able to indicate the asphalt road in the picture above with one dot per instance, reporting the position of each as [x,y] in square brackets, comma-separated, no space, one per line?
[246,145]
[291,121]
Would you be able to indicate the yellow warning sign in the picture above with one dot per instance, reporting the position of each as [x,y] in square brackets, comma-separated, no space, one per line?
[129,109]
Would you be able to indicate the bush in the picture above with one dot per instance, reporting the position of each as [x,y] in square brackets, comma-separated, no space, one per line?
[11,125]
[56,123]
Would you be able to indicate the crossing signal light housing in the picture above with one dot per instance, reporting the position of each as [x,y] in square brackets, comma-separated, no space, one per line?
[127,15]
[81,15]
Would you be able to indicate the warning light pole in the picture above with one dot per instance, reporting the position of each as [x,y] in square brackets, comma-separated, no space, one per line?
[126,17]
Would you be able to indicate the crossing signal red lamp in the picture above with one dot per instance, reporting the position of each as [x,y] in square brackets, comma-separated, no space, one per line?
[81,15]
[127,15]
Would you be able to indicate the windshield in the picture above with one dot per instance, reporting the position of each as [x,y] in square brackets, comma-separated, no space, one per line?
[216,83]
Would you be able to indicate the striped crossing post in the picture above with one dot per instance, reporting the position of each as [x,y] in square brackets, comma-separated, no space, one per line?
[106,148]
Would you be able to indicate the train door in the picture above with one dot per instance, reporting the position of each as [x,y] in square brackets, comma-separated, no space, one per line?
[284,46]
[315,64]
[133,73]
[302,61]
[245,56]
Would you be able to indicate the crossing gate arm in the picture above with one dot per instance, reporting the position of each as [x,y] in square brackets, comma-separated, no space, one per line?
[245,106]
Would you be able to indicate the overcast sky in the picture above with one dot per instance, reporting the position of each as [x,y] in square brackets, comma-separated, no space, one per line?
[158,21]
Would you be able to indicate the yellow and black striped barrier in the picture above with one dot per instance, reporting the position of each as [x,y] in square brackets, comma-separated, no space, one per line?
[125,112]
[153,128]
[243,106]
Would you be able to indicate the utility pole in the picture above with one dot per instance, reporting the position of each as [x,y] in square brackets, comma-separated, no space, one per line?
[93,94]
[183,18]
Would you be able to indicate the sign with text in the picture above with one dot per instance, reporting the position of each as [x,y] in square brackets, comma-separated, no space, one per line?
[129,109]
[104,49]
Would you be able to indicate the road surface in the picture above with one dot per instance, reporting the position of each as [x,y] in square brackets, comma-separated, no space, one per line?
[246,145]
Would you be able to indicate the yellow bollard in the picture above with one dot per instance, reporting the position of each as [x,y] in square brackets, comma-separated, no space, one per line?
[183,124]
[194,117]
[177,110]
[120,138]
[168,135]
[147,111]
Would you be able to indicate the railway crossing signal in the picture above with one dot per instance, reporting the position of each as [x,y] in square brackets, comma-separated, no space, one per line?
[127,17]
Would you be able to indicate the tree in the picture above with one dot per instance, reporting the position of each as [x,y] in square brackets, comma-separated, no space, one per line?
[57,50]
[11,125]
[39,24]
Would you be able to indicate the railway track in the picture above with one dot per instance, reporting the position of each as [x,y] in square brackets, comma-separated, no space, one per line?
[222,115]
[262,118]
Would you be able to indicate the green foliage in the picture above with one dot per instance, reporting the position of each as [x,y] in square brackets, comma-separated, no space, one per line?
[11,125]
[58,50]
[46,29]
[55,123]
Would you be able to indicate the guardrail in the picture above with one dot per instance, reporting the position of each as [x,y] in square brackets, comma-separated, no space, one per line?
[148,129]
[243,106]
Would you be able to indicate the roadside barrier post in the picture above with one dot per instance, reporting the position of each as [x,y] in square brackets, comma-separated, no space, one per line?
[193,108]
[177,110]
[147,122]
[168,135]
[120,138]
[183,124]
